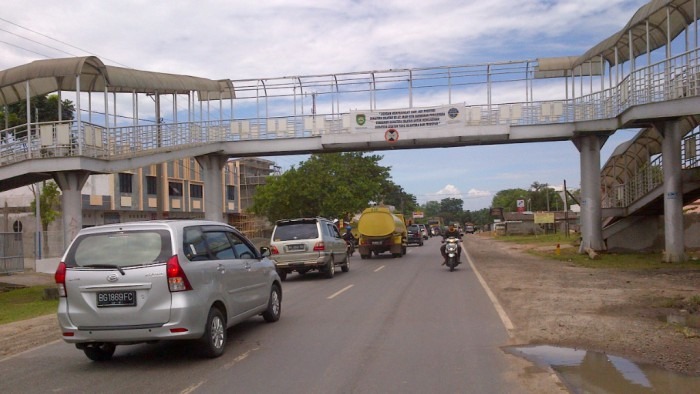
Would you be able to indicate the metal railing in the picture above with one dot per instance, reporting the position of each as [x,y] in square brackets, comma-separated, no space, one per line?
[669,79]
[650,176]
[11,253]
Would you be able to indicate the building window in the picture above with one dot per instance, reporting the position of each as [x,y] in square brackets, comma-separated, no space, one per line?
[151,185]
[175,189]
[125,185]
[230,192]
[196,191]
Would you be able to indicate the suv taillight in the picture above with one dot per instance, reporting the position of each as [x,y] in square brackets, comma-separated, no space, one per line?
[177,280]
[60,278]
[273,250]
[319,247]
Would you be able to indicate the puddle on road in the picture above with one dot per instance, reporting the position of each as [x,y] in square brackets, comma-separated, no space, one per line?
[585,371]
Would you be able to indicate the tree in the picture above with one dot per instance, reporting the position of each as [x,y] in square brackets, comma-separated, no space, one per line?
[393,194]
[46,107]
[49,201]
[432,208]
[329,185]
[507,199]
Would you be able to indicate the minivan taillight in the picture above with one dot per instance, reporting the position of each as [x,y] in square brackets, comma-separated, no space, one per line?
[177,280]
[319,247]
[60,278]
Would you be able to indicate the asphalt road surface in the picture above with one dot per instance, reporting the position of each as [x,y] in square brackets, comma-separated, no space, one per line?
[390,325]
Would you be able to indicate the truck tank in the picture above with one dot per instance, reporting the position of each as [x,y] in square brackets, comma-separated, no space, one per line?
[380,231]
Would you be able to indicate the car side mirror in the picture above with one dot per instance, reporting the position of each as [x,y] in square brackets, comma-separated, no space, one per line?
[265,251]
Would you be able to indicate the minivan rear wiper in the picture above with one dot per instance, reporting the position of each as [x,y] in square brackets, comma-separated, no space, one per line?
[118,268]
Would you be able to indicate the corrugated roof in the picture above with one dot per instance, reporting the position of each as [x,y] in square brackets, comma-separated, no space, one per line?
[52,75]
[666,18]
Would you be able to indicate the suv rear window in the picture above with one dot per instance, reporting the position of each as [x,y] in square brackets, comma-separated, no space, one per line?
[295,231]
[123,249]
[413,227]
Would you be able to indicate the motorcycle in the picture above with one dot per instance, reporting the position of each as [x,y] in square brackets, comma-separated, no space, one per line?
[350,247]
[452,250]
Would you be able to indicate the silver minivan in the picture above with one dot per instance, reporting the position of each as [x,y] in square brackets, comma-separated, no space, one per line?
[147,281]
[307,244]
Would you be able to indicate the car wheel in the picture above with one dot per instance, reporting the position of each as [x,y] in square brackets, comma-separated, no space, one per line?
[214,338]
[345,267]
[100,351]
[274,305]
[330,269]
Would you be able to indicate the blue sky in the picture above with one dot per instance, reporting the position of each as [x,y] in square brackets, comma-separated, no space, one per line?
[255,39]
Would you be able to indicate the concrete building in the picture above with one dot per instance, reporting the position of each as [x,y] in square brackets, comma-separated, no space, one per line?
[134,195]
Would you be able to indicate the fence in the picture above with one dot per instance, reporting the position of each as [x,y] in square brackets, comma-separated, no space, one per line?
[11,253]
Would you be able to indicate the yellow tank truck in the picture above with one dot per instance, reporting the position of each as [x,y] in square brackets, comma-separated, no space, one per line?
[380,231]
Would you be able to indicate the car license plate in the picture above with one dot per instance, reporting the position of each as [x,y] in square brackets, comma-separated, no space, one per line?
[295,247]
[377,242]
[116,298]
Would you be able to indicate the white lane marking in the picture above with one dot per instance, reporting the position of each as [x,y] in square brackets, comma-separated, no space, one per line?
[240,358]
[379,268]
[499,309]
[192,388]
[339,292]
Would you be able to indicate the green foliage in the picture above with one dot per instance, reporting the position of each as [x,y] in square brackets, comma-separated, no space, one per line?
[393,194]
[507,199]
[46,107]
[25,303]
[50,199]
[329,185]
[540,197]
[431,208]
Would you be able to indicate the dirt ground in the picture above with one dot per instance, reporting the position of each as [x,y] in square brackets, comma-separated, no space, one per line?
[611,311]
[549,302]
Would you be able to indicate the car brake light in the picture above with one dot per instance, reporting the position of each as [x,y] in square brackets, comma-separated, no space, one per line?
[177,280]
[273,250]
[60,278]
[319,247]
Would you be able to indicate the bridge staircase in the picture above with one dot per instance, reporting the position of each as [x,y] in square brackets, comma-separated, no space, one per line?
[633,179]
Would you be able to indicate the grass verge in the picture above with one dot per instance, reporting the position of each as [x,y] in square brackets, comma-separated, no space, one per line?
[25,303]
[546,246]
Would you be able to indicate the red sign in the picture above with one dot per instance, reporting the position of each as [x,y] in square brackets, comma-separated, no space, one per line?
[391,135]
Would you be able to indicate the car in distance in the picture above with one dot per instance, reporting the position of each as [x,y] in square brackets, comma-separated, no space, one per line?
[469,229]
[424,231]
[306,244]
[148,281]
[414,235]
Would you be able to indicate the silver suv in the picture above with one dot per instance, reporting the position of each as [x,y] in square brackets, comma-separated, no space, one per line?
[307,244]
[162,280]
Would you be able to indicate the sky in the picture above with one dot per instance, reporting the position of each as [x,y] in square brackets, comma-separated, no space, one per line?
[236,39]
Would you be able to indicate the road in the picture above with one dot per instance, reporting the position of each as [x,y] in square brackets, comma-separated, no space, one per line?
[390,325]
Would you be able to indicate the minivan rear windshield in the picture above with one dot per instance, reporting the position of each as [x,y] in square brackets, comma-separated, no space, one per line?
[295,231]
[120,248]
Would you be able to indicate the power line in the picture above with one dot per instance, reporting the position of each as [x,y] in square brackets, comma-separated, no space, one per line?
[25,49]
[36,42]
[59,41]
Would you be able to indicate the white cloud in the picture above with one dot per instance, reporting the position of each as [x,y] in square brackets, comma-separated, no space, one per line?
[449,191]
[238,39]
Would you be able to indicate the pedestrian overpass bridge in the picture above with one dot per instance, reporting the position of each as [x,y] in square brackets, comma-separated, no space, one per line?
[637,78]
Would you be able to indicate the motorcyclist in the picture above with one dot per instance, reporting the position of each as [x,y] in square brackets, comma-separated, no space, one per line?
[348,235]
[451,232]
[349,239]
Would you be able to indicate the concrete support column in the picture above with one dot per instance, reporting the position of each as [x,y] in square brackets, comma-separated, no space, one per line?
[71,184]
[673,192]
[591,212]
[212,168]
